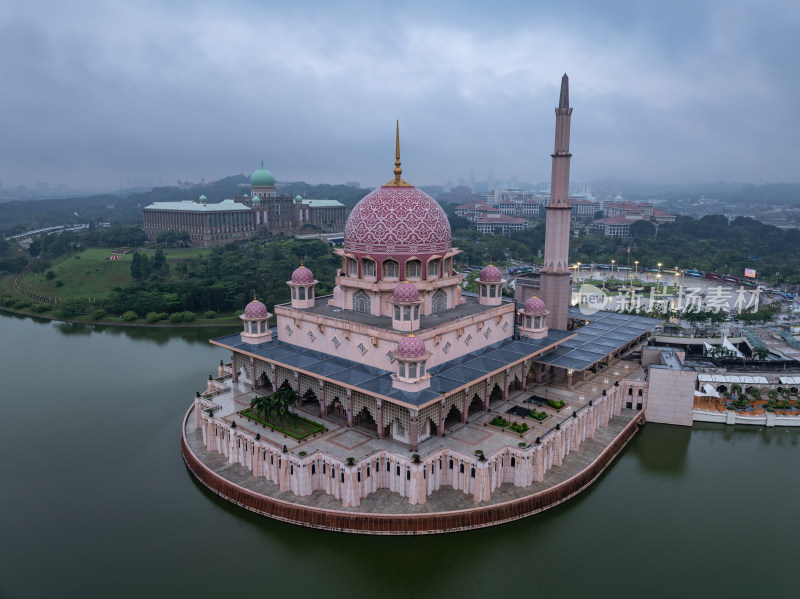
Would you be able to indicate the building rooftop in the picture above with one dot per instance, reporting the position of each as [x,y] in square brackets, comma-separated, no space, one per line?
[604,333]
[445,377]
[323,203]
[470,308]
[189,205]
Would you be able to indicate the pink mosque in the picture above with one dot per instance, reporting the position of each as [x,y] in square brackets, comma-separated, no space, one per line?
[408,374]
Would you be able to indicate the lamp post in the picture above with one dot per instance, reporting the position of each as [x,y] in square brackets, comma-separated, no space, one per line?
[578,272]
[612,269]
[636,268]
[658,283]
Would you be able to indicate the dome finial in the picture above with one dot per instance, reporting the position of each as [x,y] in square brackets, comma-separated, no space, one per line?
[398,181]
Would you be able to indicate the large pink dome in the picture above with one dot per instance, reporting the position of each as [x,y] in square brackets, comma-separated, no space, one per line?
[534,306]
[406,292]
[491,274]
[411,347]
[255,309]
[303,276]
[397,220]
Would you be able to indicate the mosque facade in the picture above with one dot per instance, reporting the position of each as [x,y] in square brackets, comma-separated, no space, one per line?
[401,355]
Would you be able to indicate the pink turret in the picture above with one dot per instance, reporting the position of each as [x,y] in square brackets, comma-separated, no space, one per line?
[555,281]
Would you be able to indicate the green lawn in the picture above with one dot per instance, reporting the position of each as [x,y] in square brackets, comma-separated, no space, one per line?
[298,429]
[91,273]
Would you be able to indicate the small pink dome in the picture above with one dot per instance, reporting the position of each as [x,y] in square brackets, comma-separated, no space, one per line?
[534,306]
[255,309]
[411,347]
[490,274]
[303,276]
[406,292]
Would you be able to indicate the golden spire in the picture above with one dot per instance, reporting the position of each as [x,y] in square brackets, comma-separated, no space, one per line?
[397,181]
[411,326]
[254,295]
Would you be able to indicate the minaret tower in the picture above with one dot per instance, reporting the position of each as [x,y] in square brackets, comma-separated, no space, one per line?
[555,281]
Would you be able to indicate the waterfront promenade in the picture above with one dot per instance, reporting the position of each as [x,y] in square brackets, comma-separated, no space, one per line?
[385,512]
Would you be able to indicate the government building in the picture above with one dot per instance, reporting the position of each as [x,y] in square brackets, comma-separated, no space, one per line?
[259,215]
[421,387]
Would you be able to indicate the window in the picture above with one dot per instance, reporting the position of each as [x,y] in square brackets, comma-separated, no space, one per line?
[288,329]
[368,268]
[416,312]
[398,471]
[301,293]
[461,468]
[352,267]
[335,342]
[488,332]
[361,302]
[492,290]
[505,325]
[439,302]
[468,339]
[433,268]
[472,472]
[397,312]
[362,349]
[412,370]
[413,268]
[406,312]
[311,335]
[408,474]
[391,357]
[446,347]
[422,369]
[294,292]
[451,464]
[391,269]
[483,290]
[401,369]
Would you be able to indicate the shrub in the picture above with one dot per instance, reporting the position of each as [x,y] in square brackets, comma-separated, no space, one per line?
[210,314]
[20,304]
[49,275]
[39,308]
[59,283]
[129,316]
[98,314]
[555,403]
[154,316]
[176,317]
[302,454]
[187,316]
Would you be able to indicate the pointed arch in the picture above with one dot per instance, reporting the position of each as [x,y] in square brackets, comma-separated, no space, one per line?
[439,301]
[361,302]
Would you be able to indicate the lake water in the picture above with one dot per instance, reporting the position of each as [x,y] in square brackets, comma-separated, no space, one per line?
[95,500]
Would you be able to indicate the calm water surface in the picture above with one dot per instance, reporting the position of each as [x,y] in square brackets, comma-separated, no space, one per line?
[95,500]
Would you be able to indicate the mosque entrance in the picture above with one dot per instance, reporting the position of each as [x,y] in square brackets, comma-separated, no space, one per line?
[453,418]
[365,420]
[496,395]
[516,384]
[263,380]
[309,397]
[475,406]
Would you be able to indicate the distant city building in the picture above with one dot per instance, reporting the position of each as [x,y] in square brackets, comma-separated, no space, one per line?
[495,222]
[259,215]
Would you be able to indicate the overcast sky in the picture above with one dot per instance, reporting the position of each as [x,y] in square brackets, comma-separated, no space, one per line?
[96,92]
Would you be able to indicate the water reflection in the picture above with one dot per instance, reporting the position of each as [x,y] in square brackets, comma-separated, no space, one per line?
[664,449]
[156,335]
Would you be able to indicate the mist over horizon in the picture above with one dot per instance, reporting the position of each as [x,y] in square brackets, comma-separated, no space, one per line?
[108,95]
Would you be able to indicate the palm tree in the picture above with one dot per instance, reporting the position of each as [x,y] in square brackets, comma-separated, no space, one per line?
[760,352]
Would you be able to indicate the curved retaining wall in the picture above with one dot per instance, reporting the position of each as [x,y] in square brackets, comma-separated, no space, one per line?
[407,524]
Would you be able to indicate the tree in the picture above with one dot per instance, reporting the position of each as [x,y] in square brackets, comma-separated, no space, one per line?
[642,228]
[136,266]
[159,260]
[760,352]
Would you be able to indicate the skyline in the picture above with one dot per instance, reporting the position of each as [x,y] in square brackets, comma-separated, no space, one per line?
[675,93]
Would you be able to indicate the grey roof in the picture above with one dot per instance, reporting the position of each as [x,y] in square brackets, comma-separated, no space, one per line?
[445,377]
[190,206]
[323,203]
[604,333]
